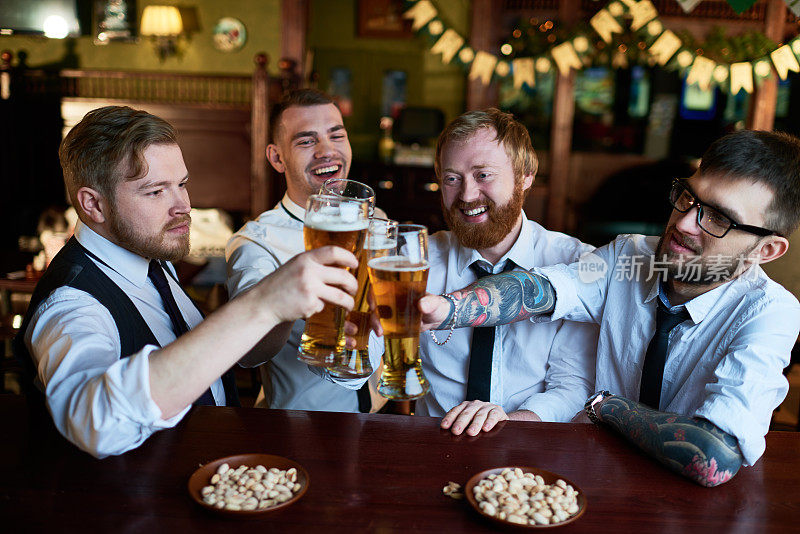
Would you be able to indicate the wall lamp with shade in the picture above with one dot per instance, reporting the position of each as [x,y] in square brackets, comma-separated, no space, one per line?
[163,24]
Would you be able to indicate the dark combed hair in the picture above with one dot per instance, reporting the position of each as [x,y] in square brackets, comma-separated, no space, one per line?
[107,147]
[768,158]
[300,98]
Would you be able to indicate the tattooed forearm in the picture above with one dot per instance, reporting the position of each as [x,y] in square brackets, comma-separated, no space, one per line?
[502,299]
[692,447]
[451,315]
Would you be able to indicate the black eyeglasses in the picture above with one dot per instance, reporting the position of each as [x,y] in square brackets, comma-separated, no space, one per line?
[710,219]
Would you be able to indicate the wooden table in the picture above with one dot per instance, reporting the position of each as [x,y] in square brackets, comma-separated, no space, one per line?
[371,473]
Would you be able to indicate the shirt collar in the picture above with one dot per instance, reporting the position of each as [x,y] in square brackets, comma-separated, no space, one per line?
[701,305]
[521,252]
[293,209]
[662,296]
[654,289]
[128,264]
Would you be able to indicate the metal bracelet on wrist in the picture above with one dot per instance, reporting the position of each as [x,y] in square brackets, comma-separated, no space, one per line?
[590,404]
[452,299]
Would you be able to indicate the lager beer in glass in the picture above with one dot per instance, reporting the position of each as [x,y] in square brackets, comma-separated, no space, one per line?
[399,279]
[381,240]
[354,363]
[330,220]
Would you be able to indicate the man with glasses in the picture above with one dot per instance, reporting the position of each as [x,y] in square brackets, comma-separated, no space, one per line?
[693,334]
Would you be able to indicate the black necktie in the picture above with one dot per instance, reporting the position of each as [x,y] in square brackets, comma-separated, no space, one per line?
[179,326]
[656,356]
[479,377]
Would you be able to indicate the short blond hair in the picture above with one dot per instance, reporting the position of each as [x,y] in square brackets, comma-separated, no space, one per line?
[107,147]
[509,132]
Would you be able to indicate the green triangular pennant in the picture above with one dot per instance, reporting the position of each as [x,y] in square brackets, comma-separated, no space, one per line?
[740,6]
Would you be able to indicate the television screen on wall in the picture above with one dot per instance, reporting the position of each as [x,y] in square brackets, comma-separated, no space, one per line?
[52,18]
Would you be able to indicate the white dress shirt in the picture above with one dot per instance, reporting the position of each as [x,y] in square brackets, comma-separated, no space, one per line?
[255,251]
[99,401]
[545,368]
[725,365]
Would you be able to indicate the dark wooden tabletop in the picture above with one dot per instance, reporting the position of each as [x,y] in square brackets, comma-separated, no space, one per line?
[370,473]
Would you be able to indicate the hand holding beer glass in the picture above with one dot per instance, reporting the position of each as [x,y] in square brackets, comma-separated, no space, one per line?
[339,221]
[399,279]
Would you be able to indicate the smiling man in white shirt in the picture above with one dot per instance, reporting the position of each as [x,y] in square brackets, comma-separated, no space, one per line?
[694,336]
[309,146]
[117,347]
[485,164]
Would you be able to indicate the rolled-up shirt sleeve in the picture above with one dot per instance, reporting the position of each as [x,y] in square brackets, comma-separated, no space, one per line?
[580,287]
[247,263]
[98,401]
[749,383]
[570,373]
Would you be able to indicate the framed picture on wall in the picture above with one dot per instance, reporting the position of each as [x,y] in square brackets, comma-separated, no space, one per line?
[382,18]
[114,20]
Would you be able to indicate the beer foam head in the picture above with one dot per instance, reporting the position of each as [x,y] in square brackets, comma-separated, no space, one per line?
[340,218]
[350,213]
[380,242]
[397,263]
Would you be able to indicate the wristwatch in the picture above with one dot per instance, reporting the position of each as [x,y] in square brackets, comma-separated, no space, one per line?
[590,403]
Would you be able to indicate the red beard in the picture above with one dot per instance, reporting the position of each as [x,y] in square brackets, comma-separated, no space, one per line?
[489,233]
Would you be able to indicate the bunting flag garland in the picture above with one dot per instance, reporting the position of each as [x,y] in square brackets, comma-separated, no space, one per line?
[523,72]
[741,77]
[662,46]
[740,6]
[483,66]
[448,45]
[665,47]
[566,58]
[605,25]
[688,5]
[784,61]
[642,12]
[701,72]
[420,13]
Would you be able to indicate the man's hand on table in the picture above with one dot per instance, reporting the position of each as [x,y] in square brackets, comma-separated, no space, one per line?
[479,416]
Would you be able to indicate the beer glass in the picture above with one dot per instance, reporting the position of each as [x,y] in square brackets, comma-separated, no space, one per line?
[380,240]
[354,363]
[330,220]
[344,187]
[399,279]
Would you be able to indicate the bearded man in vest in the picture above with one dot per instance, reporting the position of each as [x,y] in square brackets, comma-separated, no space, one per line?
[117,347]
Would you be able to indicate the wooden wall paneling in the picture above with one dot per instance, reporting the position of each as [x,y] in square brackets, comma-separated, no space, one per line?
[482,36]
[214,143]
[294,31]
[762,108]
[259,132]
[561,133]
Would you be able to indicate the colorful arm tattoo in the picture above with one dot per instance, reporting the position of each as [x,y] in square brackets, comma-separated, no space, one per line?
[501,299]
[690,446]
